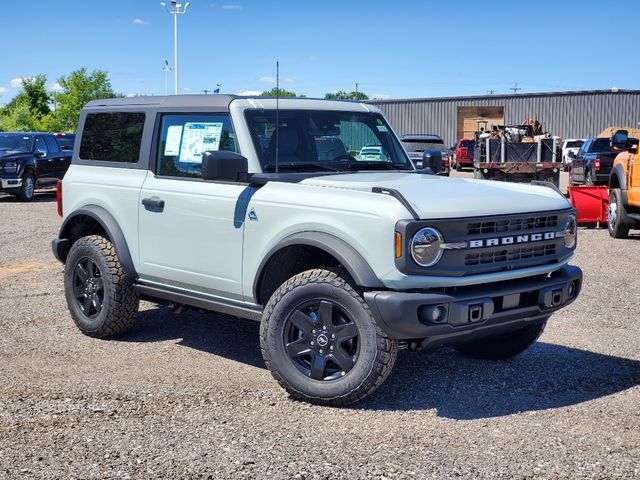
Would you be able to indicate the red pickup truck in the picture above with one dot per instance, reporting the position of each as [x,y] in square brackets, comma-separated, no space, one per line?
[463,154]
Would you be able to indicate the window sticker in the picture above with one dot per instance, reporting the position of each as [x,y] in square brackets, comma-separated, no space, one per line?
[197,138]
[382,128]
[172,147]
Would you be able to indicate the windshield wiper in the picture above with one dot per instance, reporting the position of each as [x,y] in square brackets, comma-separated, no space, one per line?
[375,165]
[308,167]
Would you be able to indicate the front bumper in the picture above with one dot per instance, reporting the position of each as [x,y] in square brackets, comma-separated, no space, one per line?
[10,183]
[470,313]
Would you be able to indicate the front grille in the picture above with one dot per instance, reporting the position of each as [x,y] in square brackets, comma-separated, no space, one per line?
[503,255]
[512,225]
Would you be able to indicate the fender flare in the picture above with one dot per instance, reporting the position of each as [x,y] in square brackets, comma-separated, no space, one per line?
[110,226]
[618,171]
[348,256]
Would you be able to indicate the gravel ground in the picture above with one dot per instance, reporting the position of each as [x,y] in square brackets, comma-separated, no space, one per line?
[188,396]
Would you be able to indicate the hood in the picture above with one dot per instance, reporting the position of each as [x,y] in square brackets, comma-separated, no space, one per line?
[436,197]
[11,154]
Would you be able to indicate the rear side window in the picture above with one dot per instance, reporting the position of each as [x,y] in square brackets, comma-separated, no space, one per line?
[112,137]
[184,137]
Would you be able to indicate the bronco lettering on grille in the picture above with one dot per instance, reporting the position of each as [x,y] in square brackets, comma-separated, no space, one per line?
[515,239]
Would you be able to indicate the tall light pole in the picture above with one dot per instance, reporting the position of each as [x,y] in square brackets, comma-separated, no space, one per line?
[175,9]
[166,68]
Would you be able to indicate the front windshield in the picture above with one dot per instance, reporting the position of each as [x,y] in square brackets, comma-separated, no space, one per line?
[313,140]
[15,143]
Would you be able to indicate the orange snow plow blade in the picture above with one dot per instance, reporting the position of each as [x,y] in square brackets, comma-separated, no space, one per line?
[590,202]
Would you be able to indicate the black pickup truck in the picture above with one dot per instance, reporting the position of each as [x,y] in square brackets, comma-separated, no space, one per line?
[593,162]
[29,161]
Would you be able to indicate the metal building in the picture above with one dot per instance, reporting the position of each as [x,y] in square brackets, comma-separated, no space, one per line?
[577,114]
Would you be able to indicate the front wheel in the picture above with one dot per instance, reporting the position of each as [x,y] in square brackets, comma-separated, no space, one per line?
[28,187]
[100,295]
[320,341]
[618,228]
[505,345]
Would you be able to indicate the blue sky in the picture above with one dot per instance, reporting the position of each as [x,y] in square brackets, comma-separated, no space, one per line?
[392,49]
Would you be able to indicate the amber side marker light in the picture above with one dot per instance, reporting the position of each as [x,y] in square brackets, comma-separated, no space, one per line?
[398,245]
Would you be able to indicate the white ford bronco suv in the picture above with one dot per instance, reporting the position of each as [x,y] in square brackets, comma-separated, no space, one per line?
[265,209]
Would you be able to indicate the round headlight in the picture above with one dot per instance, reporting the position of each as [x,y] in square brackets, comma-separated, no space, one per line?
[571,232]
[425,247]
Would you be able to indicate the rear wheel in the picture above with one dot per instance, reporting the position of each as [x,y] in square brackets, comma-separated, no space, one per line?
[100,295]
[503,346]
[320,341]
[28,187]
[616,221]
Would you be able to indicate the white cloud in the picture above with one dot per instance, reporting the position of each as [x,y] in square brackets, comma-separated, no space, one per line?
[56,87]
[139,21]
[3,90]
[16,82]
[289,80]
[231,7]
[266,79]
[249,93]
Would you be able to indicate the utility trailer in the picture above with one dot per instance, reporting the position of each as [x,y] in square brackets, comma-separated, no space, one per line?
[512,153]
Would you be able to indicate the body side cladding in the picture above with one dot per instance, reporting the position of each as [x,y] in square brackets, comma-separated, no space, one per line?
[350,259]
[62,244]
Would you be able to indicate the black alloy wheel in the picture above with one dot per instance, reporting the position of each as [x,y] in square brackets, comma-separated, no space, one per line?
[321,340]
[101,297]
[88,287]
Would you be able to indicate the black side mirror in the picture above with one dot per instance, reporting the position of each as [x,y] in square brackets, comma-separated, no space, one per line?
[432,159]
[222,165]
[619,140]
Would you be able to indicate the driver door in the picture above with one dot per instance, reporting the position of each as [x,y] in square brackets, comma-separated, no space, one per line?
[191,231]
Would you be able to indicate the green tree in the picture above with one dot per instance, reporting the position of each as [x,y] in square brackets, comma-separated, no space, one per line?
[29,110]
[340,95]
[279,92]
[36,92]
[78,88]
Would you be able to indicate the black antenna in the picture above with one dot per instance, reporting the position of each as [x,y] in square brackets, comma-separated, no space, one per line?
[277,111]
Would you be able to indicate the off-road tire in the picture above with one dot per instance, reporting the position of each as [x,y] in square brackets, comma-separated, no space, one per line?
[376,353]
[503,346]
[616,215]
[27,189]
[119,301]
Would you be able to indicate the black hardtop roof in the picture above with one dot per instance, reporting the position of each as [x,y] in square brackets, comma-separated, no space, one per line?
[185,101]
[167,101]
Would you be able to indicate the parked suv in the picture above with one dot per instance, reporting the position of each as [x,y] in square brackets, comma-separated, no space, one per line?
[343,261]
[417,145]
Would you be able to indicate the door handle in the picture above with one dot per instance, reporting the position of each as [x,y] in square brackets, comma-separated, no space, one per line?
[153,203]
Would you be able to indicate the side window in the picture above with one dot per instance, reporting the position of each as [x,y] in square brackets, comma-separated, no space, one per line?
[51,145]
[112,137]
[184,137]
[40,146]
